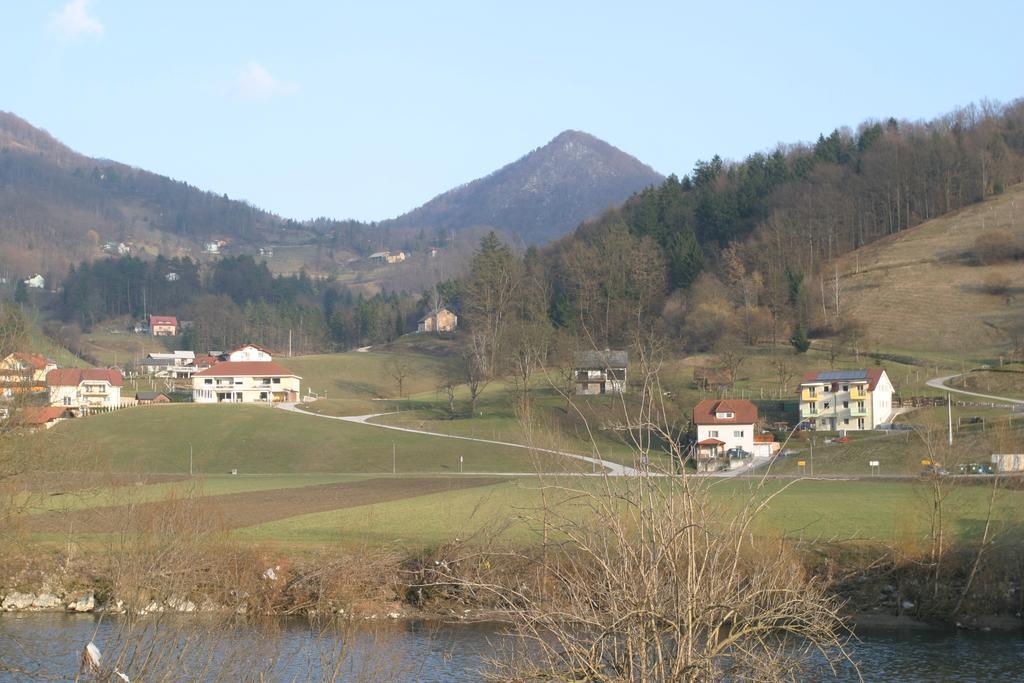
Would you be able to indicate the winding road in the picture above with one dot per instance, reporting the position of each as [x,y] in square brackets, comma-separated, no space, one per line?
[610,468]
[940,383]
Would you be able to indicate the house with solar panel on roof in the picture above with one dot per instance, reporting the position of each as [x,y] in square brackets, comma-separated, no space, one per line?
[844,400]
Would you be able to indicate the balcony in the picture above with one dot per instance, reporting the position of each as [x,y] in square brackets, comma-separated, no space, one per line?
[858,394]
[858,412]
[806,395]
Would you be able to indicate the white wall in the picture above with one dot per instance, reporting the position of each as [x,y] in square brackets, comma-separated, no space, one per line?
[727,433]
[248,353]
[881,401]
[244,389]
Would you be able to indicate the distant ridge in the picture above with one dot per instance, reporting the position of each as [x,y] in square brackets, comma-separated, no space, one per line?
[543,195]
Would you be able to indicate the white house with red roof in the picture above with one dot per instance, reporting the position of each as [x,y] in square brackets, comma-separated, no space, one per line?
[835,400]
[163,325]
[85,389]
[722,426]
[246,381]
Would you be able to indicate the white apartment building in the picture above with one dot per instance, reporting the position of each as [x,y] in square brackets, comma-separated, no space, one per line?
[850,400]
[257,381]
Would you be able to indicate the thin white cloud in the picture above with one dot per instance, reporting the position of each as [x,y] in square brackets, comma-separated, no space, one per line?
[74,21]
[256,83]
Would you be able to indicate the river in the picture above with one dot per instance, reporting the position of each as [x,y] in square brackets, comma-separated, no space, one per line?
[48,646]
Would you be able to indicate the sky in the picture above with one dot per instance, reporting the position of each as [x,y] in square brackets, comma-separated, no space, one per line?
[367,110]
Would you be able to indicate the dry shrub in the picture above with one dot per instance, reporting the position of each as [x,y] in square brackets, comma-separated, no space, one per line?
[653,577]
[996,284]
[996,246]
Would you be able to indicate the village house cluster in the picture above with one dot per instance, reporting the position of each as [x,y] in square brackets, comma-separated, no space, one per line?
[45,394]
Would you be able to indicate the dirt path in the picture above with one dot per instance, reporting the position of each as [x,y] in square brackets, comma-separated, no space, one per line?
[236,510]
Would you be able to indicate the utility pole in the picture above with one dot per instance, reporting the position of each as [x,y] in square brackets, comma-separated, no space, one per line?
[189,458]
[949,415]
[812,456]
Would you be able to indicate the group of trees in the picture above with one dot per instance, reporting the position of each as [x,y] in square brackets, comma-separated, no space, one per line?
[743,251]
[734,254]
[236,299]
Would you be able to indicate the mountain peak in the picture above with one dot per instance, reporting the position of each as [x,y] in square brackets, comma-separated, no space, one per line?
[543,195]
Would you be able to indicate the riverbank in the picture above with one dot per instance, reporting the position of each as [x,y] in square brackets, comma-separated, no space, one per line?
[875,590]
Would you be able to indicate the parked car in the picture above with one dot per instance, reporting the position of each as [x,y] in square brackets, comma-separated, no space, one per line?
[738,454]
[974,468]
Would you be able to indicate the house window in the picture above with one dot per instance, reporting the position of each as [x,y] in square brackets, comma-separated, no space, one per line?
[263,396]
[67,400]
[860,423]
[277,380]
[812,408]
[846,421]
[724,416]
[846,404]
[738,433]
[812,391]
[208,381]
[826,405]
[846,387]
[713,433]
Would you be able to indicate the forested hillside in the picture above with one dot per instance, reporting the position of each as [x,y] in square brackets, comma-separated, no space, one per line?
[60,207]
[236,299]
[541,196]
[742,250]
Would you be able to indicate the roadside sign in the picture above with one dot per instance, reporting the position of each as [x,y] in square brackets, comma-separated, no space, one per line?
[800,463]
[873,463]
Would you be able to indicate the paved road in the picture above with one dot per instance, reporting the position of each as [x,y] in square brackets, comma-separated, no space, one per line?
[940,383]
[610,468]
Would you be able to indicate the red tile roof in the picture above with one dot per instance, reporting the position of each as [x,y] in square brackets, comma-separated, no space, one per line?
[39,416]
[72,377]
[744,412]
[236,368]
[33,360]
[163,320]
[710,442]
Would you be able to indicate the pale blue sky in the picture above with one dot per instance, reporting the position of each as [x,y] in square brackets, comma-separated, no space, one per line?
[366,110]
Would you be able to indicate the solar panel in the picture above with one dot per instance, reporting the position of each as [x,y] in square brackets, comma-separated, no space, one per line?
[841,375]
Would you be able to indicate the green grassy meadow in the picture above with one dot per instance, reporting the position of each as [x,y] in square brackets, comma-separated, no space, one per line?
[839,510]
[264,440]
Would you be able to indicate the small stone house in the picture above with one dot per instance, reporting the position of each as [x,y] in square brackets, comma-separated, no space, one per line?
[442,320]
[600,372]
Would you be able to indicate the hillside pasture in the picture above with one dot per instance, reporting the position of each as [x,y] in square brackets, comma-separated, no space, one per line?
[922,289]
[364,375]
[261,439]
